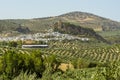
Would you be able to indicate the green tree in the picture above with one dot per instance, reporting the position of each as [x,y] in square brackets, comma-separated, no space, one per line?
[13,44]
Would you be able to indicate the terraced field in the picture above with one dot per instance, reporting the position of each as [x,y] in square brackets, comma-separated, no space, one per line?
[69,50]
[101,54]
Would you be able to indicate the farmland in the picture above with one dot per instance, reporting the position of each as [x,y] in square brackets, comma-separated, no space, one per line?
[87,60]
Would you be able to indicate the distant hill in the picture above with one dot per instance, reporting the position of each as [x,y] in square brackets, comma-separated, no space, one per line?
[83,19]
[68,28]
[91,21]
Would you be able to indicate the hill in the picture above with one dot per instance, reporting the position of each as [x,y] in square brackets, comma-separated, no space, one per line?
[44,24]
[68,28]
[91,21]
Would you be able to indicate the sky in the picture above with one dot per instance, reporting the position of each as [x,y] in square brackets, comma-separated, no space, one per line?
[27,9]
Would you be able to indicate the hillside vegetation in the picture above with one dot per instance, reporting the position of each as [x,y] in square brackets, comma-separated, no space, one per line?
[68,28]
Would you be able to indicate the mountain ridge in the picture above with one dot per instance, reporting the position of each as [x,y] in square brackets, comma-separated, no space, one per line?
[83,19]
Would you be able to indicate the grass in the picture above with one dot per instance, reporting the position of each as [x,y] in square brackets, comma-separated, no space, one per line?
[109,33]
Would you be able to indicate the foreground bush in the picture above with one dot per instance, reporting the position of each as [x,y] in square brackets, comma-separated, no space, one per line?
[12,62]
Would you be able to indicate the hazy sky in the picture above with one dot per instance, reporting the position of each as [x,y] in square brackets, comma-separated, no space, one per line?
[14,9]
